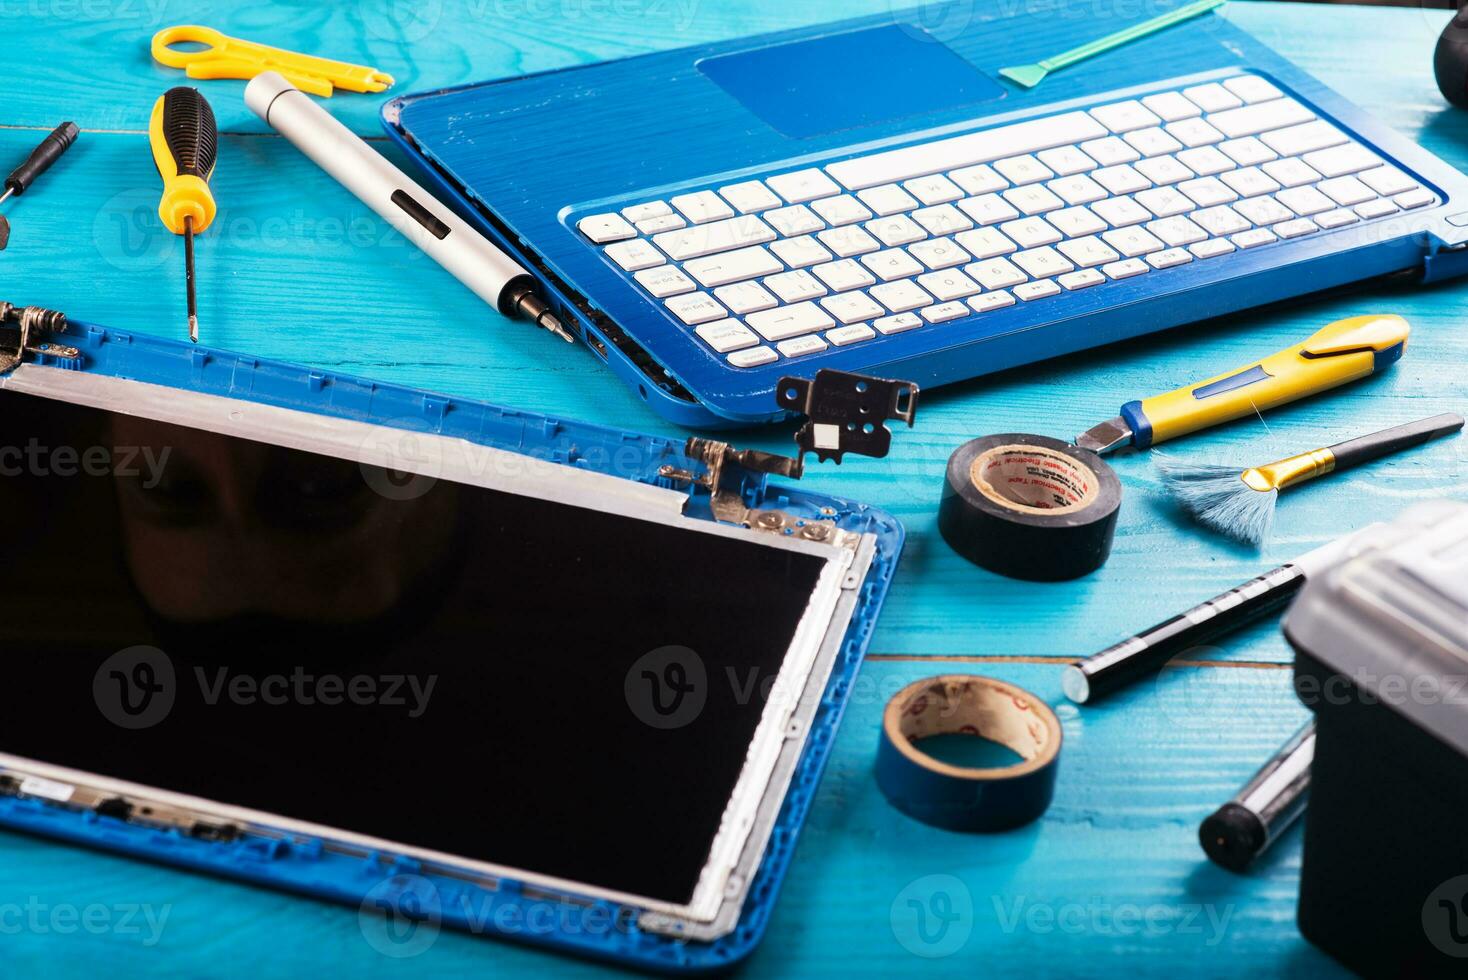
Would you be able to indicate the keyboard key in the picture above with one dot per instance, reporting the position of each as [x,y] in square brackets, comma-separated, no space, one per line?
[789,321]
[842,336]
[963,151]
[853,307]
[948,285]
[1336,219]
[1066,160]
[736,266]
[1207,192]
[1076,222]
[1126,269]
[888,199]
[643,212]
[1193,133]
[1346,191]
[795,220]
[1295,229]
[1121,211]
[1023,170]
[1042,262]
[1252,88]
[898,323]
[1413,199]
[719,236]
[1082,279]
[1291,172]
[1163,170]
[1248,152]
[696,308]
[1132,242]
[842,210]
[943,312]
[665,281]
[1169,258]
[1088,252]
[753,357]
[1263,210]
[945,219]
[1110,151]
[745,297]
[996,273]
[1164,202]
[1037,290]
[668,222]
[1251,120]
[1341,160]
[843,275]
[702,207]
[1121,179]
[936,189]
[897,229]
[891,264]
[637,254]
[901,296]
[1305,201]
[1123,117]
[1250,182]
[801,346]
[1033,199]
[996,300]
[1376,209]
[848,241]
[800,252]
[1387,181]
[1077,189]
[750,196]
[1177,231]
[1031,232]
[726,335]
[939,253]
[1206,161]
[982,179]
[1220,220]
[1171,106]
[793,287]
[1212,97]
[988,209]
[1254,238]
[1212,248]
[603,228]
[1152,142]
[986,243]
[803,186]
[1292,141]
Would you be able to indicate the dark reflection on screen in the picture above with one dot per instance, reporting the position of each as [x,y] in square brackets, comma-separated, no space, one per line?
[502,678]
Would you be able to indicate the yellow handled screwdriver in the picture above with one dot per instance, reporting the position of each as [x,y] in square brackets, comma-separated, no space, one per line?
[185,142]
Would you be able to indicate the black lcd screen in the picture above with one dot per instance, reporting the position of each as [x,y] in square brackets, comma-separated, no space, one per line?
[460,669]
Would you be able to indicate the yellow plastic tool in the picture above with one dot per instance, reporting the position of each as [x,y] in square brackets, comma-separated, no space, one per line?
[229,57]
[1345,351]
[185,141]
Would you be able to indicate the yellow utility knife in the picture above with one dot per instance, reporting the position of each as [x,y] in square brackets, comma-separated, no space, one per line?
[1343,352]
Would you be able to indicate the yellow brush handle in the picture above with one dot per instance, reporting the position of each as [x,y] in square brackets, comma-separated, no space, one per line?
[1340,353]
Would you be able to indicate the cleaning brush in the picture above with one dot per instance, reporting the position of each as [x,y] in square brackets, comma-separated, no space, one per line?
[1241,504]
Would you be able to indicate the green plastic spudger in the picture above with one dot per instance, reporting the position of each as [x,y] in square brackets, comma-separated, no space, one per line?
[1029,76]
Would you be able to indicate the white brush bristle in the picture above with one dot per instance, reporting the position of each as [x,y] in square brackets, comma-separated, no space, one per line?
[1218,497]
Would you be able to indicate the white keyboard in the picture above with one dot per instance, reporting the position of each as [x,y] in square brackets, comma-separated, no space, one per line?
[799,262]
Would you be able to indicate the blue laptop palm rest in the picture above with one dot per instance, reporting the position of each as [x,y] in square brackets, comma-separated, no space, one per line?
[531,159]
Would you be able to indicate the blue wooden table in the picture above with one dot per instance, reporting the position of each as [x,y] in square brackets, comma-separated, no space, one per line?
[295,268]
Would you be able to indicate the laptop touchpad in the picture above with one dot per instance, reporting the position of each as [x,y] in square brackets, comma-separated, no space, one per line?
[844,81]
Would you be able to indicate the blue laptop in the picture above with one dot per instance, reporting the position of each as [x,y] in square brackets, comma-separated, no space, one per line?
[868,196]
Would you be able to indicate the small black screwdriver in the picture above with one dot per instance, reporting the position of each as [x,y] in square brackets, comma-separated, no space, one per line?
[47,152]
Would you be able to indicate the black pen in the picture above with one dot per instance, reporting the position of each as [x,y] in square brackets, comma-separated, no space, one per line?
[1245,827]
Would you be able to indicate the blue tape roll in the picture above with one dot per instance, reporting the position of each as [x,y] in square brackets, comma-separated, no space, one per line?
[958,798]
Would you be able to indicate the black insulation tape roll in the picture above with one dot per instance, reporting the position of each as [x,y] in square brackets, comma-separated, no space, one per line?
[1030,507]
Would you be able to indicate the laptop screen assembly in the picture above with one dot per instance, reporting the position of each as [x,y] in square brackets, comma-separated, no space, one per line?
[290,626]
